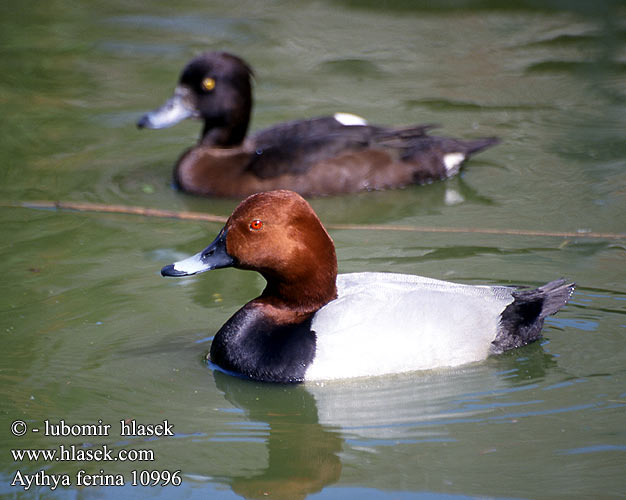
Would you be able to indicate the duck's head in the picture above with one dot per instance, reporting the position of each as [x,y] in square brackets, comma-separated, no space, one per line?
[277,234]
[214,87]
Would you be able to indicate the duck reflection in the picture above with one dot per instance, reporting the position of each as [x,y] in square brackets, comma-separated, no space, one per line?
[311,425]
[303,454]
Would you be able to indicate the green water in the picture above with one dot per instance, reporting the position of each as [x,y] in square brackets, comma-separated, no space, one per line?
[91,331]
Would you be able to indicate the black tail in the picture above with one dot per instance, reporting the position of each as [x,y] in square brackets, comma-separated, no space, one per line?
[477,145]
[522,319]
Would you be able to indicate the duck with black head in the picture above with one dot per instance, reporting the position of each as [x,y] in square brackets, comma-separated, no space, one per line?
[318,156]
[310,323]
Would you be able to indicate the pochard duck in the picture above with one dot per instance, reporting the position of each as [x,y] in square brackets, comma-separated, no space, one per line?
[320,156]
[311,324]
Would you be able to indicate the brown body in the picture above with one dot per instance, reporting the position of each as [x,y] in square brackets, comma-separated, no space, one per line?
[223,172]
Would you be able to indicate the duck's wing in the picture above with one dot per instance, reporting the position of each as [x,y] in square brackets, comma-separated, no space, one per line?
[390,323]
[294,147]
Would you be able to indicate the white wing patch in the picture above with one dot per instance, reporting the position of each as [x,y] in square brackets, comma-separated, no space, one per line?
[349,119]
[453,161]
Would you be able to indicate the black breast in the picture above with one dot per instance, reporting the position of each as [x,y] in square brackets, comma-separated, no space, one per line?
[253,345]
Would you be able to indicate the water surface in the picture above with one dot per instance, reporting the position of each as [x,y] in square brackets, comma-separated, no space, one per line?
[91,331]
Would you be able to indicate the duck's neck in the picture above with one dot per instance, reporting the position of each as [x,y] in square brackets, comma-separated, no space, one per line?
[294,300]
[229,130]
[226,136]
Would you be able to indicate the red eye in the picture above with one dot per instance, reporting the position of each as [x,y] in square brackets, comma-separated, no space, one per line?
[256,224]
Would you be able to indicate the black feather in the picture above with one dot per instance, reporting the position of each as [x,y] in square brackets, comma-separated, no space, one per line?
[294,147]
[252,345]
[522,319]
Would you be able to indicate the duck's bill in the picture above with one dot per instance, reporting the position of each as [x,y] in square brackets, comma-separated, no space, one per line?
[175,110]
[214,256]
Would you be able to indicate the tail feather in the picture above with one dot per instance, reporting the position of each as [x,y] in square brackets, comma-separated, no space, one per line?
[478,145]
[522,320]
[556,294]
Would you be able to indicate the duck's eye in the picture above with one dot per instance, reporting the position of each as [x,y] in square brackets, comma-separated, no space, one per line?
[256,224]
[208,84]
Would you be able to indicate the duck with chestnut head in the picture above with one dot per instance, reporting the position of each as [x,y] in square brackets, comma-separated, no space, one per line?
[310,323]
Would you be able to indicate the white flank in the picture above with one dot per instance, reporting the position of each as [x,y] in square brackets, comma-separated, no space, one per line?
[391,323]
[190,265]
[453,161]
[349,119]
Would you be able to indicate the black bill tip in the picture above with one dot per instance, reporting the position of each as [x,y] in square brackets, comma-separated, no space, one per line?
[143,122]
[171,271]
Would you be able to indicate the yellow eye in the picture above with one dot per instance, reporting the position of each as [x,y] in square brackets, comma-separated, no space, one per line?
[208,84]
[256,224]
